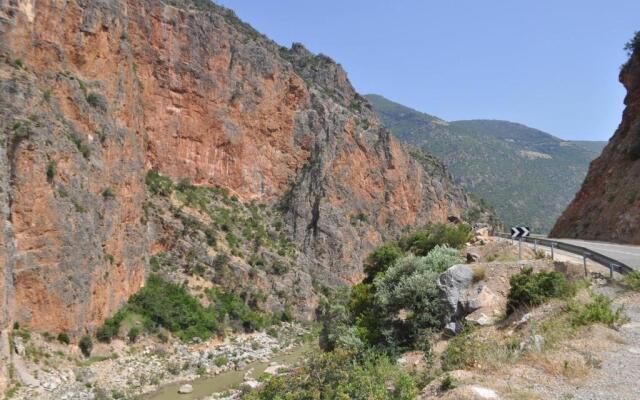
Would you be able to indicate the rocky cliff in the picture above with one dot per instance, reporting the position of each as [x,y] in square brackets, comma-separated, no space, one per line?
[94,94]
[607,207]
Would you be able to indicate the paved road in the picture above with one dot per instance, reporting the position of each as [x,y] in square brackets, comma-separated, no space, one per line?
[627,254]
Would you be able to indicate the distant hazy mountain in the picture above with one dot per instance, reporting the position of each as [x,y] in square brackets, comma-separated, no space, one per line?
[527,175]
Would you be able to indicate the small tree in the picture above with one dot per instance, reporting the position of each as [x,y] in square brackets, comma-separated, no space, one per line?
[86,345]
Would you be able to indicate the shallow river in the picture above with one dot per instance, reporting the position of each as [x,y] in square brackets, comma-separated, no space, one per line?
[208,385]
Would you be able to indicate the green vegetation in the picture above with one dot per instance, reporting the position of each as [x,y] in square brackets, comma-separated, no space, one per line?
[220,361]
[532,289]
[133,334]
[158,184]
[341,375]
[63,338]
[424,240]
[51,170]
[448,383]
[598,310]
[86,345]
[478,152]
[397,306]
[164,304]
[463,352]
[632,281]
[107,193]
[82,147]
[96,101]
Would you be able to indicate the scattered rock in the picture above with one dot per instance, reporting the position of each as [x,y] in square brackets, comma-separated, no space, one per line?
[18,345]
[472,257]
[484,393]
[185,389]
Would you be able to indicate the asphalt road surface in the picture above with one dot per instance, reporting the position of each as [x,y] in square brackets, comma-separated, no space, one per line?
[627,254]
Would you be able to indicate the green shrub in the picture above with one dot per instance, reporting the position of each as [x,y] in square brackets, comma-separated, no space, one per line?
[158,184]
[51,170]
[82,147]
[409,288]
[341,375]
[86,345]
[63,338]
[463,351]
[532,289]
[96,101]
[632,281]
[133,334]
[448,383]
[424,240]
[380,259]
[107,193]
[220,361]
[111,326]
[598,310]
[172,307]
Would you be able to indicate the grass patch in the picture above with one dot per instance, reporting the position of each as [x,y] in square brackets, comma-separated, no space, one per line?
[598,310]
[632,281]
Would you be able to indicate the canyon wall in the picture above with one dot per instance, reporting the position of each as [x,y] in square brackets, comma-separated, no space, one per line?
[607,207]
[93,94]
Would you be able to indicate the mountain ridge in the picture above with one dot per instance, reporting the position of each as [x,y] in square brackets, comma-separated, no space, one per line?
[478,152]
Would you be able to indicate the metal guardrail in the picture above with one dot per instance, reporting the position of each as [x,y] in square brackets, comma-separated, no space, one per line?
[587,254]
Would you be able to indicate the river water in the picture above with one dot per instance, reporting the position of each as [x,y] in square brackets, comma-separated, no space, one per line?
[207,385]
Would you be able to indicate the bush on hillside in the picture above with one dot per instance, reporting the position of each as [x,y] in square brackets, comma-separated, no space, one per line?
[380,260]
[341,375]
[158,184]
[532,289]
[598,310]
[409,296]
[632,281]
[63,338]
[172,307]
[86,345]
[424,240]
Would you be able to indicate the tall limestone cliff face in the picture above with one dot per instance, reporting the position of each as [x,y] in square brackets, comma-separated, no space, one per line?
[93,94]
[607,207]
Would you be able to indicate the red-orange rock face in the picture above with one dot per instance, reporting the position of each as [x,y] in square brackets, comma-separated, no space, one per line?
[93,94]
[607,207]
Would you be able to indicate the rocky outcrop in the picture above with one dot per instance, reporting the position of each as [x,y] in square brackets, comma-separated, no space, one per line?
[607,207]
[93,94]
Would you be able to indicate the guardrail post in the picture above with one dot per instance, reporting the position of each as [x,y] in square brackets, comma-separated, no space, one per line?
[611,271]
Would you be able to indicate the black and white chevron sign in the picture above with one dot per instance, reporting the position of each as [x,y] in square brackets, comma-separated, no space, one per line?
[520,232]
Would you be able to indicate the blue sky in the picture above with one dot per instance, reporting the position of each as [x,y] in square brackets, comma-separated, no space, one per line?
[552,65]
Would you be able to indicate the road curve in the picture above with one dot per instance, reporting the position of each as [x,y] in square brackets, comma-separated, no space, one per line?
[627,254]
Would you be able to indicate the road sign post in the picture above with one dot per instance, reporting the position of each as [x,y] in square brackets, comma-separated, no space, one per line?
[520,249]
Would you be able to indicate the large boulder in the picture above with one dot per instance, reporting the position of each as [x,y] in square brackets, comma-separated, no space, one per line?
[467,297]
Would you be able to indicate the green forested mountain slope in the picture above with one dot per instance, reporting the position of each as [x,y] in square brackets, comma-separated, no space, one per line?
[527,175]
